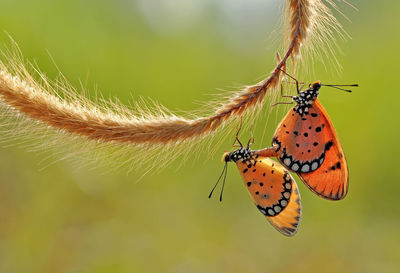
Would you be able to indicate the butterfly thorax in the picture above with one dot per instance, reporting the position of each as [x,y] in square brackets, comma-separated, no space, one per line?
[242,154]
[306,98]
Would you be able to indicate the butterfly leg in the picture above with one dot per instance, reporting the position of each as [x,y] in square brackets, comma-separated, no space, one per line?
[277,103]
[293,78]
[251,140]
[285,96]
[237,136]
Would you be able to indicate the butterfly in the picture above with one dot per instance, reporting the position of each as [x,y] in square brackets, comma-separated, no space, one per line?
[306,143]
[270,185]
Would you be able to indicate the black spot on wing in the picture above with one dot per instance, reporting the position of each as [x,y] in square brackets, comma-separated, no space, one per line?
[328,145]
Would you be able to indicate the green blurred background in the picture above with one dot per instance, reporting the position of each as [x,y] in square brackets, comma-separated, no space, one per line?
[177,52]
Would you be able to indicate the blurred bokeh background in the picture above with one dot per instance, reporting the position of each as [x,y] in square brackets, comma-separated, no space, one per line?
[177,52]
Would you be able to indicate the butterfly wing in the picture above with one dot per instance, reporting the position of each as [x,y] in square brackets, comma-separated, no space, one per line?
[300,139]
[274,192]
[289,220]
[309,146]
[331,179]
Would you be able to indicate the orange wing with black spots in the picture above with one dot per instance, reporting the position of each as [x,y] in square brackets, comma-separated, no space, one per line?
[331,179]
[273,191]
[301,140]
[308,145]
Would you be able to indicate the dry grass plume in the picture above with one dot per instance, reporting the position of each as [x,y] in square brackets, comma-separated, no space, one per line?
[33,101]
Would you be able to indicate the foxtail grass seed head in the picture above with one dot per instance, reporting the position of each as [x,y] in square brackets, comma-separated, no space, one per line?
[32,105]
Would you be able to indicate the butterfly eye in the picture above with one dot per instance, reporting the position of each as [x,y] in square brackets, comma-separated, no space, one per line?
[226,157]
[315,85]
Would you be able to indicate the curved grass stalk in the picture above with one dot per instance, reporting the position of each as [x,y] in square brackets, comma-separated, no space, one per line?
[67,112]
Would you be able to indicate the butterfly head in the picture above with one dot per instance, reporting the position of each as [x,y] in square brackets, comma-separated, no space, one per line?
[242,154]
[306,98]
[315,85]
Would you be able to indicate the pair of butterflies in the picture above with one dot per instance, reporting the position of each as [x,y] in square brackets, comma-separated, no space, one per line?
[306,143]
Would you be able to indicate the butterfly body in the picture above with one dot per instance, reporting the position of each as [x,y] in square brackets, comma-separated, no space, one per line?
[271,187]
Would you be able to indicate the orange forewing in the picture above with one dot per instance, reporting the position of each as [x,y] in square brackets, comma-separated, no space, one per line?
[300,136]
[274,192]
[308,140]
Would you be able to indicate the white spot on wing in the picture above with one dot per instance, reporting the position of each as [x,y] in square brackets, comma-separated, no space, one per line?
[286,195]
[314,166]
[287,161]
[305,168]
[271,212]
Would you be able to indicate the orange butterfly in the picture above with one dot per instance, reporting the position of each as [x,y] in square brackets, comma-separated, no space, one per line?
[271,187]
[306,143]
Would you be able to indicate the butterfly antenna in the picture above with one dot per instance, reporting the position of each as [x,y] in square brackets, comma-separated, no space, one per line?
[216,184]
[337,86]
[223,183]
